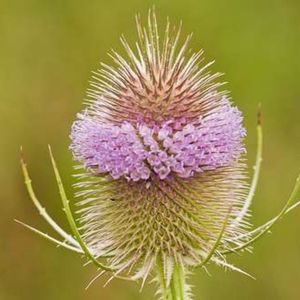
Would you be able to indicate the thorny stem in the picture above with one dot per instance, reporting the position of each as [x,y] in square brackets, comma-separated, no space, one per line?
[175,290]
[177,284]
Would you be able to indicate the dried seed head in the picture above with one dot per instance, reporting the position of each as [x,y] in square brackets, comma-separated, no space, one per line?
[161,146]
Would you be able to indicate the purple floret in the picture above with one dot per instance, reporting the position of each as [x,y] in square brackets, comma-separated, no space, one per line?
[135,151]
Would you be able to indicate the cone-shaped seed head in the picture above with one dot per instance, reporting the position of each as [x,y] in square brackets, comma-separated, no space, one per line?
[161,146]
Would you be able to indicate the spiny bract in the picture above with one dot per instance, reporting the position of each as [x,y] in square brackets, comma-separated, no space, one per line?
[161,146]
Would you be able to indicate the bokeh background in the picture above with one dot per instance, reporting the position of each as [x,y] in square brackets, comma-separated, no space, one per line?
[47,51]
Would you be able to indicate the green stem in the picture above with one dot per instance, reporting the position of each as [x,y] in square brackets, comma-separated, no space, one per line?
[176,288]
[177,283]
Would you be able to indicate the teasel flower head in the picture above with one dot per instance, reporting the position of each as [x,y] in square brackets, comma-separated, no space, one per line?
[164,146]
[162,181]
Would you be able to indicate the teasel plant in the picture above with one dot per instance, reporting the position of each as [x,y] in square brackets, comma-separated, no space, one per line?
[161,174]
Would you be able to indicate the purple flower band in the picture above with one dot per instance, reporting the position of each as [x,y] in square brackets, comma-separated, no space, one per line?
[135,151]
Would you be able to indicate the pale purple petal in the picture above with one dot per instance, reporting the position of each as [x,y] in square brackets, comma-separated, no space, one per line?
[135,151]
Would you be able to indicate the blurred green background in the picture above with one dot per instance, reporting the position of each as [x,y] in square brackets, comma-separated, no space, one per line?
[47,51]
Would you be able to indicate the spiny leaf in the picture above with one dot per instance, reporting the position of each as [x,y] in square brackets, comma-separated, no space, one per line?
[40,208]
[255,177]
[70,217]
[266,228]
[49,238]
